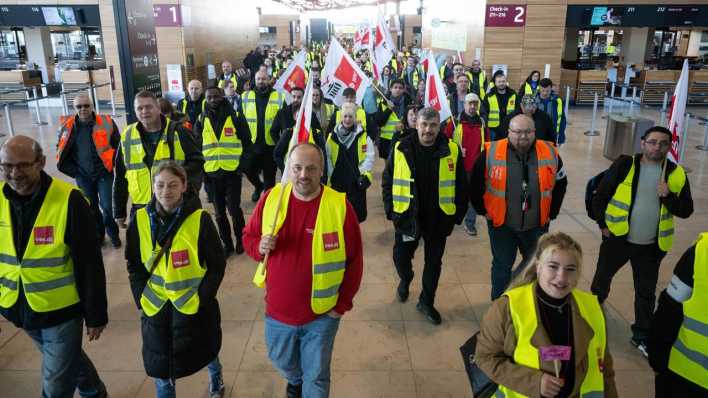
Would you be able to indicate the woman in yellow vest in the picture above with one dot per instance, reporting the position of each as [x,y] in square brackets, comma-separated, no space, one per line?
[544,337]
[175,266]
[530,85]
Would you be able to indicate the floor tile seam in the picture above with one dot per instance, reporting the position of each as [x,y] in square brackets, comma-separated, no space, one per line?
[245,347]
[408,347]
[574,218]
[9,339]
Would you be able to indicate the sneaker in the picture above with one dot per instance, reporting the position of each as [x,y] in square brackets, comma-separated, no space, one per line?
[430,312]
[293,391]
[402,291]
[228,250]
[116,243]
[219,390]
[239,246]
[641,345]
[471,231]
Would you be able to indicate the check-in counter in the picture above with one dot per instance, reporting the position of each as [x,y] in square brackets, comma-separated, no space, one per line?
[584,84]
[698,87]
[654,83]
[74,79]
[16,79]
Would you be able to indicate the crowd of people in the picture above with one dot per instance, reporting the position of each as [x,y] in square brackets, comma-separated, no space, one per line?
[496,158]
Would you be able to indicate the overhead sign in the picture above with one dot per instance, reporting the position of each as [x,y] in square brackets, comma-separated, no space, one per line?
[19,16]
[506,15]
[449,36]
[637,15]
[167,15]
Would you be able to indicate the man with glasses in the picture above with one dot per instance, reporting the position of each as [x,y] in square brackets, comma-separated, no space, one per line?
[518,183]
[85,152]
[52,279]
[635,204]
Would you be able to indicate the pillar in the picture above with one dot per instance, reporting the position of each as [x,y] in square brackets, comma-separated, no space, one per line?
[39,51]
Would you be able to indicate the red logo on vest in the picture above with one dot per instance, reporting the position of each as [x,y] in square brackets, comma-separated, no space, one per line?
[450,165]
[364,147]
[44,235]
[331,241]
[229,131]
[180,259]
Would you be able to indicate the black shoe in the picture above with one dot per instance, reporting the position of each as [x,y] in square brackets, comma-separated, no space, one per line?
[641,345]
[239,246]
[228,251]
[293,391]
[402,291]
[116,243]
[256,195]
[430,312]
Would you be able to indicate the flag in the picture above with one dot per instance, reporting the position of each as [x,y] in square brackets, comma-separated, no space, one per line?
[383,47]
[676,114]
[340,71]
[424,62]
[302,131]
[362,37]
[435,92]
[294,76]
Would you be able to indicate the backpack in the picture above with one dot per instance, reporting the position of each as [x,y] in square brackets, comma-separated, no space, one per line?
[591,190]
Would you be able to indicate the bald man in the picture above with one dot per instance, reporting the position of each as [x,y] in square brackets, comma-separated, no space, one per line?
[260,106]
[193,104]
[227,74]
[518,184]
[86,151]
[52,279]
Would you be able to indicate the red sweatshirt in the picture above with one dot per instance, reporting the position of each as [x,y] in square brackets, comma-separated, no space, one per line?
[289,277]
[471,142]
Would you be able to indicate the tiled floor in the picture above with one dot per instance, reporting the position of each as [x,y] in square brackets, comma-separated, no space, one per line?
[384,348]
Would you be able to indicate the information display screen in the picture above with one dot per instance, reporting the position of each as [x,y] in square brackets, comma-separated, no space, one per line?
[58,16]
[637,15]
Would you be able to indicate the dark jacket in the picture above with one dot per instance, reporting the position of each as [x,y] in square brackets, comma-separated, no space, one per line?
[280,152]
[408,223]
[68,161]
[401,134]
[285,119]
[542,122]
[85,252]
[218,117]
[191,108]
[502,99]
[478,186]
[193,164]
[680,205]
[384,111]
[174,344]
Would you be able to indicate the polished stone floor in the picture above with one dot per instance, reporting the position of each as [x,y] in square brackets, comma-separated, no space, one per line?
[384,348]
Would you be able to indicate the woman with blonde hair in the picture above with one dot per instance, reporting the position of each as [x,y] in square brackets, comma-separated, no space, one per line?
[544,337]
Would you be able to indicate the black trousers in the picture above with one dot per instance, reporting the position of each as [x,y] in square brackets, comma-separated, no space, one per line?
[668,384]
[403,253]
[384,148]
[645,260]
[262,161]
[226,189]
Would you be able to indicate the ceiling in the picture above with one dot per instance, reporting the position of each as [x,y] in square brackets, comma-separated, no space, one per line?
[321,5]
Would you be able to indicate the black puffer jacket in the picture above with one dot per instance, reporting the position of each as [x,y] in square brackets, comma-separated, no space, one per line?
[174,344]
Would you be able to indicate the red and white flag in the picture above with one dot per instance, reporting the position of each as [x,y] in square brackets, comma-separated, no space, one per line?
[435,92]
[302,131]
[676,115]
[383,47]
[362,37]
[294,76]
[340,72]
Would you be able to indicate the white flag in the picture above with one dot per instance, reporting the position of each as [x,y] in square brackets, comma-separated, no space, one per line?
[383,47]
[677,111]
[294,76]
[302,131]
[362,37]
[340,72]
[435,92]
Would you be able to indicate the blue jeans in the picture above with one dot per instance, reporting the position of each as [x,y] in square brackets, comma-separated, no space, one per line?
[99,193]
[302,354]
[471,218]
[65,365]
[505,242]
[165,388]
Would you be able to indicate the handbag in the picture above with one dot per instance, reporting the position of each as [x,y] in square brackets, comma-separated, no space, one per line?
[482,386]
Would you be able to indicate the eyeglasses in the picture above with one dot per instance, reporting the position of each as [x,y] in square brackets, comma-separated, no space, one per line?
[662,144]
[82,106]
[22,166]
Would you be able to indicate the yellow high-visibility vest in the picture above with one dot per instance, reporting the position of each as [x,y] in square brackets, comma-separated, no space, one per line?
[328,245]
[233,78]
[458,134]
[689,355]
[333,153]
[46,270]
[617,212]
[522,306]
[178,274]
[480,81]
[403,181]
[223,153]
[137,173]
[389,128]
[493,119]
[248,104]
[183,107]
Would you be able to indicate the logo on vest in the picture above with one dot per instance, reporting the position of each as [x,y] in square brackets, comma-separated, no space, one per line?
[180,259]
[450,165]
[229,131]
[44,235]
[330,241]
[364,147]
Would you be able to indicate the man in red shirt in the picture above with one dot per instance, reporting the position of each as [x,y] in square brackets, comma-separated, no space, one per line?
[468,133]
[319,236]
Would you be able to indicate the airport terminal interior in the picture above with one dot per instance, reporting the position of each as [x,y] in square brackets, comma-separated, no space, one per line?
[617,66]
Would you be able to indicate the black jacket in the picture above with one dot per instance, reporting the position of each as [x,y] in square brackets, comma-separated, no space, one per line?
[680,205]
[85,251]
[384,112]
[66,163]
[502,99]
[217,117]
[542,122]
[193,164]
[193,108]
[174,344]
[478,186]
[408,223]
[285,120]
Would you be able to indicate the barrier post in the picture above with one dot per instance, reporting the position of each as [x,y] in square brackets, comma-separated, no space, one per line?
[683,139]
[64,106]
[612,93]
[704,147]
[567,101]
[95,97]
[8,117]
[113,102]
[592,131]
[39,121]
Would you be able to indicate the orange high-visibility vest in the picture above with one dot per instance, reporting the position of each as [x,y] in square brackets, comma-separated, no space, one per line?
[100,136]
[495,176]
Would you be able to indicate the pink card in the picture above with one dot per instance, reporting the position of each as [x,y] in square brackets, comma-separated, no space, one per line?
[555,352]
